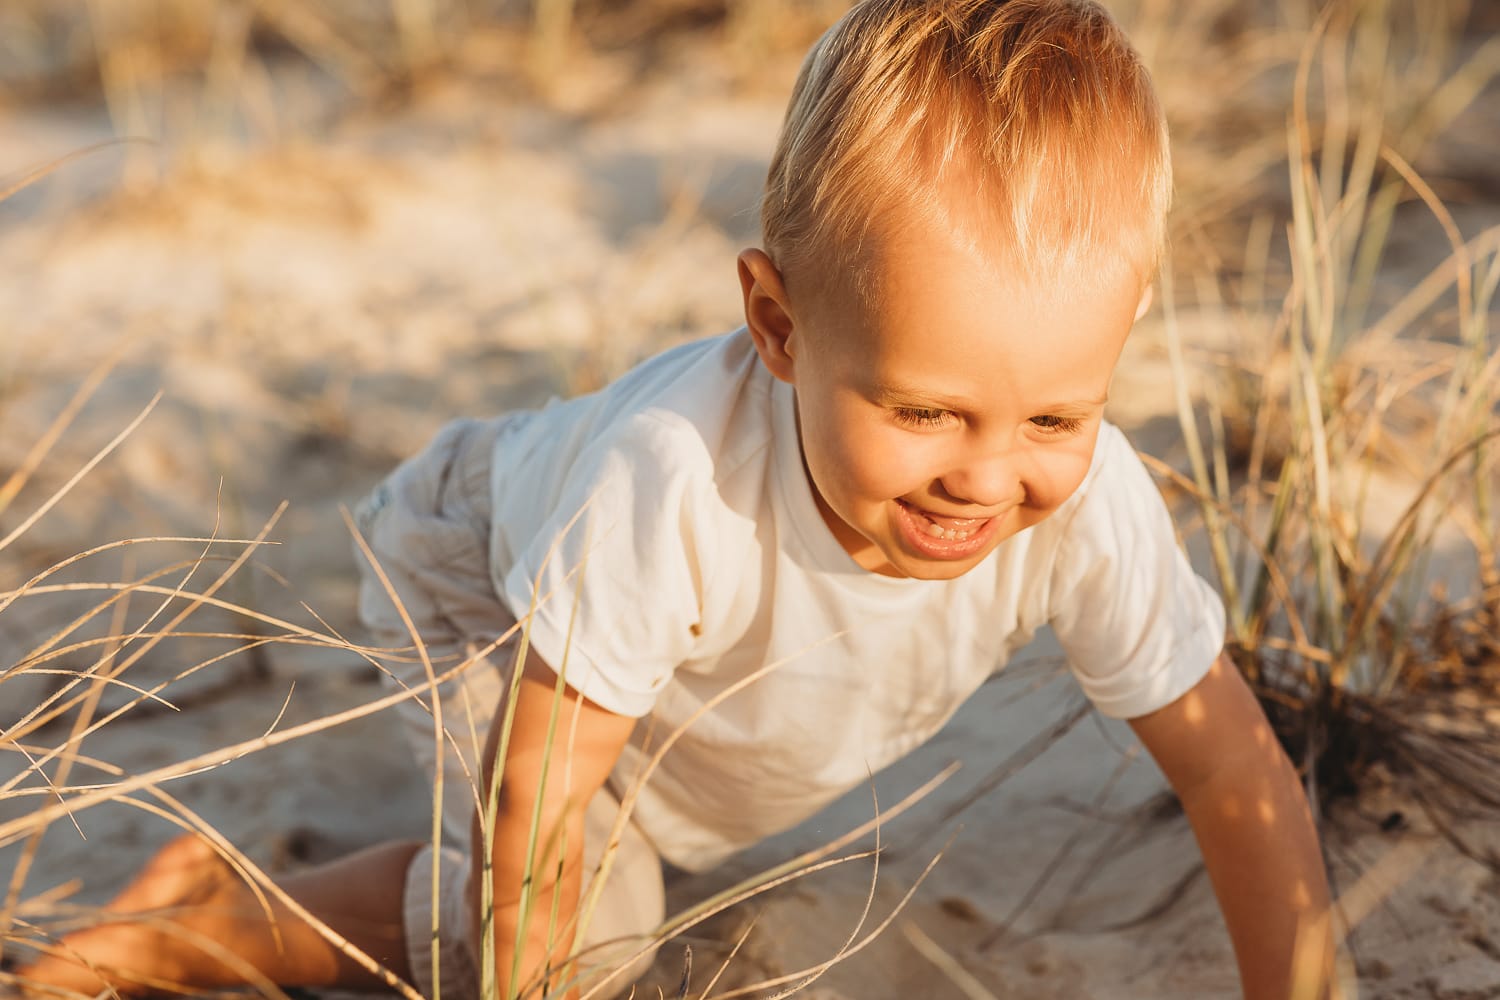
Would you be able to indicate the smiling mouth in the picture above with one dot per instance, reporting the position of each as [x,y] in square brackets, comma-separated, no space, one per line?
[950,529]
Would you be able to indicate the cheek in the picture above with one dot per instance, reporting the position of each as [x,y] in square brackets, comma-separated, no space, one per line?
[1056,475]
[863,461]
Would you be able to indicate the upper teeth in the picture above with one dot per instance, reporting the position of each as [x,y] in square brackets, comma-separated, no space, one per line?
[951,534]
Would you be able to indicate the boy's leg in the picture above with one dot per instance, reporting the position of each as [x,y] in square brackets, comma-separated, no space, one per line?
[188,920]
[427,527]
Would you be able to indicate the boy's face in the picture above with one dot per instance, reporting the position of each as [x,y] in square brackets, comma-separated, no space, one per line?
[959,409]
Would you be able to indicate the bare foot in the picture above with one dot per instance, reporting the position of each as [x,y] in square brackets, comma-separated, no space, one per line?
[186,920]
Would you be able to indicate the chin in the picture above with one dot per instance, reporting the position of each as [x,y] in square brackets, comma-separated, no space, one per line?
[931,569]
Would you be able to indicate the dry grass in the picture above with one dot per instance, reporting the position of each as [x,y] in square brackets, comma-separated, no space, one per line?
[1350,446]
[60,782]
[1334,397]
[71,47]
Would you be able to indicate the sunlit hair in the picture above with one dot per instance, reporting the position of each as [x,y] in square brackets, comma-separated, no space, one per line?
[1028,127]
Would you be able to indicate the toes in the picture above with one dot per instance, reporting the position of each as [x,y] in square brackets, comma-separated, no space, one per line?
[185,852]
[174,875]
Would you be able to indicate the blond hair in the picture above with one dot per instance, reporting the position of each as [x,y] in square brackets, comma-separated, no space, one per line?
[1039,111]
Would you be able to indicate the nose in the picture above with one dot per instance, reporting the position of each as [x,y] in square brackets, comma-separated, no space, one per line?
[990,479]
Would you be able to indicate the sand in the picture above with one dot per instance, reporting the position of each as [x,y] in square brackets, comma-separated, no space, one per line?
[312,310]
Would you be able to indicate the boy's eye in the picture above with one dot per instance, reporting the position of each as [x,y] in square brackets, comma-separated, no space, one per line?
[1057,425]
[917,417]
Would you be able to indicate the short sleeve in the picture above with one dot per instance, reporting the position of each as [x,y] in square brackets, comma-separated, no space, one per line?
[1139,627]
[614,567]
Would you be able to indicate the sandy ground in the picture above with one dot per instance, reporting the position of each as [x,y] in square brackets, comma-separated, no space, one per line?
[312,312]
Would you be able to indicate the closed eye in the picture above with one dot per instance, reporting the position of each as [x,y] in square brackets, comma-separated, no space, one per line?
[1053,424]
[919,417]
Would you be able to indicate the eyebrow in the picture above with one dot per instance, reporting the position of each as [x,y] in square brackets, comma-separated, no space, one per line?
[893,393]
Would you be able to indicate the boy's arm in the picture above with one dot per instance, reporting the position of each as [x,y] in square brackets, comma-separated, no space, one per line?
[583,752]
[1255,831]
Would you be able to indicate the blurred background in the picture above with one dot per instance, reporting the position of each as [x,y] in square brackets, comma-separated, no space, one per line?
[323,228]
[303,235]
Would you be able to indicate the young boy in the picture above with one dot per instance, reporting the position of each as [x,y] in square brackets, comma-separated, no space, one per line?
[882,485]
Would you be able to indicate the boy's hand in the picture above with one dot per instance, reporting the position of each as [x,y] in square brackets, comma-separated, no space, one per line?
[1255,831]
[583,749]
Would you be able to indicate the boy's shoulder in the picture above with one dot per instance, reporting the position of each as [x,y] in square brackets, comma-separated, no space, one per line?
[690,405]
[671,451]
[641,505]
[1137,622]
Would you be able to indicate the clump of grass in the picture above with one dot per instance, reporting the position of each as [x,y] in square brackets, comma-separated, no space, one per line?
[1367,436]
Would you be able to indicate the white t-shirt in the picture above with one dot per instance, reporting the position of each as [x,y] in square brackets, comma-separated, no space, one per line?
[672,513]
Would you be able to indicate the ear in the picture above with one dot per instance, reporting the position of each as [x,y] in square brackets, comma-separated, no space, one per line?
[768,313]
[1145,303]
